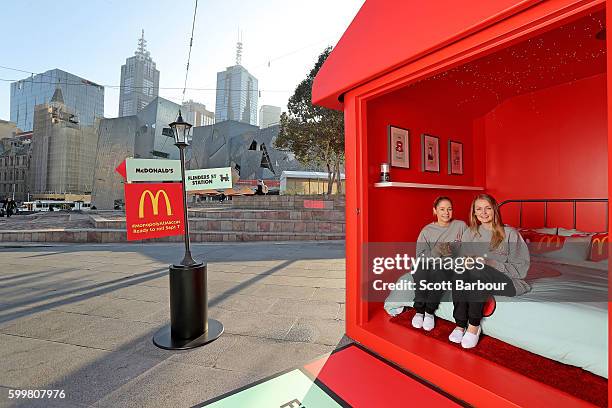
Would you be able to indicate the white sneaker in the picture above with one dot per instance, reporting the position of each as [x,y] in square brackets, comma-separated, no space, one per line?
[470,340]
[417,321]
[456,335]
[428,322]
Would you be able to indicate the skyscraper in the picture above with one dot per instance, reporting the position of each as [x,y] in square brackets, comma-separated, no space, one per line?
[139,81]
[237,93]
[269,115]
[84,97]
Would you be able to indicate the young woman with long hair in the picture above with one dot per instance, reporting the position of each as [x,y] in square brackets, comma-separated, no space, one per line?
[506,262]
[437,239]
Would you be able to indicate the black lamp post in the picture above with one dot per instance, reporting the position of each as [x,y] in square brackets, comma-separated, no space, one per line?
[189,324]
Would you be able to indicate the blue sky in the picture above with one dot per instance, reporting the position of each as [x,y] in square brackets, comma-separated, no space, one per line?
[92,39]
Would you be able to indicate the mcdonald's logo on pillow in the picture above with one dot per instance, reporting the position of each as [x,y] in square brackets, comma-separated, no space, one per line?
[539,243]
[599,247]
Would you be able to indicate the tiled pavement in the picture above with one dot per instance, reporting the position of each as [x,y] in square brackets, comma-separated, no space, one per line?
[81,317]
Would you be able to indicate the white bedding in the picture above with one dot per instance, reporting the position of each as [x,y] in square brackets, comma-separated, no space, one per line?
[571,331]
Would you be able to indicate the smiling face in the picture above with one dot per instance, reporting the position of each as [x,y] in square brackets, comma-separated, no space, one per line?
[444,212]
[483,210]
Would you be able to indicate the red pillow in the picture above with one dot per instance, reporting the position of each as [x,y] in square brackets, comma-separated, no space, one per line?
[599,247]
[541,243]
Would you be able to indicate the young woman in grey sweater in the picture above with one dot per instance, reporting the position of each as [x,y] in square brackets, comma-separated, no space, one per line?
[506,262]
[437,239]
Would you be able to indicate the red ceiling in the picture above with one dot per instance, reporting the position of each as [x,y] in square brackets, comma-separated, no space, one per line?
[563,55]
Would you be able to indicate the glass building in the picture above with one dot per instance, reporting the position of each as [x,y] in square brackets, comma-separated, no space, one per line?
[84,97]
[139,81]
[237,96]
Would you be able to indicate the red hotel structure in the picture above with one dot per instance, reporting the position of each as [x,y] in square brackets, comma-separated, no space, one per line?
[523,86]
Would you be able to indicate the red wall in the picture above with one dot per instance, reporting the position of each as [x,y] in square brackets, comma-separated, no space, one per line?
[398,214]
[550,144]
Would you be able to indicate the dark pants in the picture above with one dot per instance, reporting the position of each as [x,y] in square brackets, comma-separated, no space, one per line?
[9,213]
[468,305]
[428,300]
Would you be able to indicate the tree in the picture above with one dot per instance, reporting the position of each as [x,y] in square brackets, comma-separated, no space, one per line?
[313,133]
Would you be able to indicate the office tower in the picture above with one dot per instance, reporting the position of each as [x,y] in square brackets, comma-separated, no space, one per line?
[139,81]
[237,93]
[269,115]
[197,114]
[84,97]
[63,151]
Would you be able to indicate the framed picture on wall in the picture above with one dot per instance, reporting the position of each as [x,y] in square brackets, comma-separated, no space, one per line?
[430,153]
[399,147]
[455,157]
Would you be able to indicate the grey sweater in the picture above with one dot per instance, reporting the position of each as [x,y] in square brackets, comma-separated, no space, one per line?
[433,234]
[511,257]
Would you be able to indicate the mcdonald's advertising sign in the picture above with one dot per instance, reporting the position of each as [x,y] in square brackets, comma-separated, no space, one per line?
[153,210]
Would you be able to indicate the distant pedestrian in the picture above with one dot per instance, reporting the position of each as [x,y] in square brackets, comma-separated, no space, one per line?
[10,206]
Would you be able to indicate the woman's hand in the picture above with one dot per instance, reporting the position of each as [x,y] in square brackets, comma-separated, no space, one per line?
[444,248]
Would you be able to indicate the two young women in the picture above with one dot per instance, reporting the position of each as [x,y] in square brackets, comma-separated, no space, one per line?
[506,263]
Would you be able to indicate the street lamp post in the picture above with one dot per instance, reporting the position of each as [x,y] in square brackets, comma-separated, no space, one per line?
[189,324]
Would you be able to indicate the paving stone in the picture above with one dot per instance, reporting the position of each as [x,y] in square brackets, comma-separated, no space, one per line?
[50,325]
[109,334]
[126,309]
[284,292]
[245,303]
[31,363]
[330,295]
[305,308]
[271,356]
[172,384]
[256,324]
[320,331]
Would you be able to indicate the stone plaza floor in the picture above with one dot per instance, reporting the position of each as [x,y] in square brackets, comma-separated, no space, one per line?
[80,318]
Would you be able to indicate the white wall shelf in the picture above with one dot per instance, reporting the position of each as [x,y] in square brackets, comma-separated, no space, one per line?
[419,185]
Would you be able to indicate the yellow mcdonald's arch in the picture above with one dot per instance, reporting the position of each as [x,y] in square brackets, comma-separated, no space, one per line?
[549,239]
[600,242]
[154,203]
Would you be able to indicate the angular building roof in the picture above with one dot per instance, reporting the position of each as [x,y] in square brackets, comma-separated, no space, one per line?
[57,97]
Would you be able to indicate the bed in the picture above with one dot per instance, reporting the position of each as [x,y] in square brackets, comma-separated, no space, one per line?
[564,316]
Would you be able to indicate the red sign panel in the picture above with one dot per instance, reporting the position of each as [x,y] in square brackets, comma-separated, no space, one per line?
[153,210]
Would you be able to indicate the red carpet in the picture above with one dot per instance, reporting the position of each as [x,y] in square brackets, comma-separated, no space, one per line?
[573,380]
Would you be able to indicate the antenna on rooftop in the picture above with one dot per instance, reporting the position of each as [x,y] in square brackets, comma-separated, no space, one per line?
[239,49]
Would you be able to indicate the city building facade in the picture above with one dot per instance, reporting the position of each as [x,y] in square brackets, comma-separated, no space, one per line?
[246,148]
[8,129]
[269,115]
[15,156]
[197,114]
[139,81]
[237,96]
[63,150]
[140,136]
[82,96]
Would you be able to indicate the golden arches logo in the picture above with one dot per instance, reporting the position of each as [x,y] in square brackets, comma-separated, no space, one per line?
[549,240]
[154,202]
[600,242]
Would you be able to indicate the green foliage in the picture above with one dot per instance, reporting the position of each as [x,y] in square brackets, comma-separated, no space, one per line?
[313,133]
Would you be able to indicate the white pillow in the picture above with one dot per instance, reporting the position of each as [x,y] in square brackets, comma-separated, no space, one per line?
[552,231]
[574,248]
[569,232]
